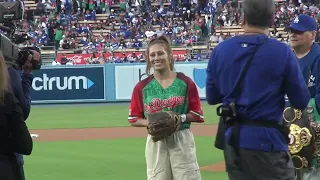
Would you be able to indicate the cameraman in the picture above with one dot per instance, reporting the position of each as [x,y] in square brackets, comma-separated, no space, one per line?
[14,134]
[21,87]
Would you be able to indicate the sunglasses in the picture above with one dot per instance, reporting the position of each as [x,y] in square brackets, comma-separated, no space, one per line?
[292,31]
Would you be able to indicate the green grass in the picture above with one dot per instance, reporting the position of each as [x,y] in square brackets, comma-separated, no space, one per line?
[104,160]
[100,159]
[86,116]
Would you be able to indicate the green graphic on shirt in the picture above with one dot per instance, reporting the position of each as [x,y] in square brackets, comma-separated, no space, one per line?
[174,98]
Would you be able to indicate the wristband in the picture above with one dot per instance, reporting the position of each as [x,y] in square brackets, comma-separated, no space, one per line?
[183,118]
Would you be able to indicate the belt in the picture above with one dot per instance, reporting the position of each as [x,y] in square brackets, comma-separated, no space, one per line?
[236,123]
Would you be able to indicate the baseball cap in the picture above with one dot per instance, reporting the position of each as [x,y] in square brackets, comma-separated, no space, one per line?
[304,23]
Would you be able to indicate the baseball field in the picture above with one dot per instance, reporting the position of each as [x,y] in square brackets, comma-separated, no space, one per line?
[95,142]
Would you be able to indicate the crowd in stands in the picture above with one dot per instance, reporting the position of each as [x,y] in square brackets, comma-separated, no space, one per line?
[92,26]
[76,26]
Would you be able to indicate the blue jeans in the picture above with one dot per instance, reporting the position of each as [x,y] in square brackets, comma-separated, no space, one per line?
[20,163]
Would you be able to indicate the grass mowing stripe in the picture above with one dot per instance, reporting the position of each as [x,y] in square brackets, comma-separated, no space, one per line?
[57,117]
[104,159]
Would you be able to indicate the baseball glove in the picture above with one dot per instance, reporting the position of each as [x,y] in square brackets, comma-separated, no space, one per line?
[163,124]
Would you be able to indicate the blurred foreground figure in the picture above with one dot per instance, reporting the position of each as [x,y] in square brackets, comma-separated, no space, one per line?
[250,75]
[14,134]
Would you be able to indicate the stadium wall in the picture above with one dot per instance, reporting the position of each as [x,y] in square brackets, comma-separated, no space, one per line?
[100,83]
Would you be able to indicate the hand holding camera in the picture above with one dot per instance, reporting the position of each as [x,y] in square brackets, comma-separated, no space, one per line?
[33,58]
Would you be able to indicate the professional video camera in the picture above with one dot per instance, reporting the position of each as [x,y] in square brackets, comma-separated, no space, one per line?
[10,12]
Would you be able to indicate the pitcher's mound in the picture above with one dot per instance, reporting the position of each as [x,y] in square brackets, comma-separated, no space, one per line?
[218,167]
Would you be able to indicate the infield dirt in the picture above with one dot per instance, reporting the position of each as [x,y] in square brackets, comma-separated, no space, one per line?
[117,133]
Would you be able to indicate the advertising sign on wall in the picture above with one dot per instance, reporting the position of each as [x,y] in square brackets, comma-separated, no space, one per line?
[82,58]
[68,84]
[126,77]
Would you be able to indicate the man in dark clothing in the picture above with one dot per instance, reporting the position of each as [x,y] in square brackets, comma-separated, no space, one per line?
[303,30]
[251,130]
[64,59]
[21,87]
[30,15]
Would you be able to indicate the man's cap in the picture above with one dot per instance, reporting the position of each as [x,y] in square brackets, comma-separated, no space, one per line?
[303,23]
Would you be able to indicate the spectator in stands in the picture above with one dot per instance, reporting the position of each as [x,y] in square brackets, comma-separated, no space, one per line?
[137,44]
[200,24]
[65,44]
[47,4]
[69,62]
[198,56]
[124,58]
[55,62]
[41,8]
[89,15]
[101,58]
[122,44]
[51,32]
[58,6]
[64,60]
[221,37]
[208,23]
[188,17]
[117,60]
[141,58]
[58,36]
[214,38]
[127,27]
[29,15]
[133,58]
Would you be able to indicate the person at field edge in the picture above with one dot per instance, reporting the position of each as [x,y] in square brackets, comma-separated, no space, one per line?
[253,136]
[21,87]
[165,90]
[303,31]
[14,134]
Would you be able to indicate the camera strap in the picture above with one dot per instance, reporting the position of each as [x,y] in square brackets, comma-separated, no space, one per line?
[235,134]
[236,92]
